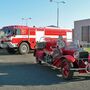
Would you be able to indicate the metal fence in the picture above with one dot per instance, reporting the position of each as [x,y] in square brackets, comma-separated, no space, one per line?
[85,44]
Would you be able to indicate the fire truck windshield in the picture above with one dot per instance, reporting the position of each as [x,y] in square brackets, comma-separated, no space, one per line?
[10,31]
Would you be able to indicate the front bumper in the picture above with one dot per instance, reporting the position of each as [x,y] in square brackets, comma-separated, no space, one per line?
[8,44]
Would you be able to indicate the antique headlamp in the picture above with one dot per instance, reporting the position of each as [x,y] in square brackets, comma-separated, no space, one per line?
[76,54]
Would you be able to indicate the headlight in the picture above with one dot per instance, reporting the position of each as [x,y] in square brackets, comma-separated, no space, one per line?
[8,39]
[76,54]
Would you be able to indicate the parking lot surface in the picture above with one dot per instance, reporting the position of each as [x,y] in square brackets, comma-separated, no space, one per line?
[20,72]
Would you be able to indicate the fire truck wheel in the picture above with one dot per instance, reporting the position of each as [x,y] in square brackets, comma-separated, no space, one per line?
[24,48]
[67,74]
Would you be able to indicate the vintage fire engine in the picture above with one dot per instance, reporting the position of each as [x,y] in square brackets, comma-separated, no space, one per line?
[68,58]
[23,38]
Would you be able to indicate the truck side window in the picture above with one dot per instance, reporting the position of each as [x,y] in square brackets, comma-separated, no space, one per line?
[18,32]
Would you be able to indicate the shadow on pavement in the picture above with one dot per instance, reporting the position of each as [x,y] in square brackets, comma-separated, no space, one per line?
[27,74]
[4,52]
[32,74]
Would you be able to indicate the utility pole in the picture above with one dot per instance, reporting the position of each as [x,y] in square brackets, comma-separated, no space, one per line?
[57,2]
[26,20]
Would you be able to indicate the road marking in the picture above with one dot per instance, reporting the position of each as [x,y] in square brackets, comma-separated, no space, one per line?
[3,73]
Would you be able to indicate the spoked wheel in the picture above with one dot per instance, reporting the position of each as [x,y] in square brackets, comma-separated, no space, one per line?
[67,74]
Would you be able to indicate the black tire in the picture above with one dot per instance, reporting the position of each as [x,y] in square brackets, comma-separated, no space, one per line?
[38,61]
[67,74]
[11,51]
[24,48]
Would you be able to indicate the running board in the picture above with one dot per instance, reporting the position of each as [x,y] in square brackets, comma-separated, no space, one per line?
[76,69]
[72,69]
[54,67]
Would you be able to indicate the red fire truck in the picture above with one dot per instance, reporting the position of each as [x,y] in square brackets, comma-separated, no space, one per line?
[23,38]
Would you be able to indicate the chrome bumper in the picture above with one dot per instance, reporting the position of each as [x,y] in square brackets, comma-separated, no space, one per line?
[7,44]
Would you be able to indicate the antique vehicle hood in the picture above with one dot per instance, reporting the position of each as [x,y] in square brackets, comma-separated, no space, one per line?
[71,48]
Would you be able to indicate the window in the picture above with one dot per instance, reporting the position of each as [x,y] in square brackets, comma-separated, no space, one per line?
[85,33]
[17,31]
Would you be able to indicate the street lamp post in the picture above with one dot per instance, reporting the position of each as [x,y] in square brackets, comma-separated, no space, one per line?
[26,20]
[58,9]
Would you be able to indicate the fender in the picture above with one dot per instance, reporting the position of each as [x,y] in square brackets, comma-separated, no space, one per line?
[69,58]
[58,61]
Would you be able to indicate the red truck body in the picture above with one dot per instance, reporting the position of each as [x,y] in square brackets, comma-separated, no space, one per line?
[16,35]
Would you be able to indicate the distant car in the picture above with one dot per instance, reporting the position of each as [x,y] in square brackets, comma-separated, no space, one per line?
[68,59]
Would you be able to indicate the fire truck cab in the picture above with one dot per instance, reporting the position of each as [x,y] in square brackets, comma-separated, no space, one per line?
[24,38]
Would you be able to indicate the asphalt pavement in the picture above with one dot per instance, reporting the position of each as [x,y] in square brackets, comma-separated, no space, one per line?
[20,72]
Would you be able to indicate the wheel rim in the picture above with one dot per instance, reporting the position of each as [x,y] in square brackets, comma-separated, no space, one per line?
[65,69]
[24,48]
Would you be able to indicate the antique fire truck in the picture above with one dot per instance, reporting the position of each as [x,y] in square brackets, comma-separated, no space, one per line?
[67,57]
[23,38]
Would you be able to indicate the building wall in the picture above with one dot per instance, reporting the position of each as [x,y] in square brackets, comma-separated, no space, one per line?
[82,30]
